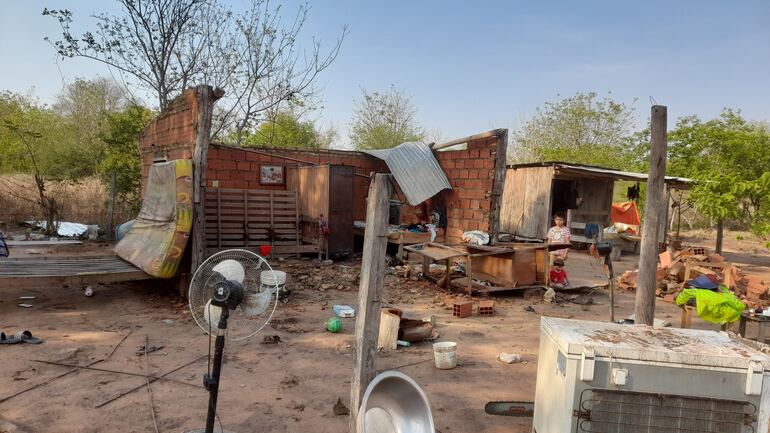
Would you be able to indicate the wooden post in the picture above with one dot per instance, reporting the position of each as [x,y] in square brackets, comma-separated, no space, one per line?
[206,98]
[370,292]
[653,212]
[111,229]
[498,184]
[720,236]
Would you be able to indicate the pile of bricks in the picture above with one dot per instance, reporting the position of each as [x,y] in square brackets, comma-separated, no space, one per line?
[675,269]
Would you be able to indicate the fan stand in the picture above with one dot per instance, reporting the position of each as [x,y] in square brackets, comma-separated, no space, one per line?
[227,296]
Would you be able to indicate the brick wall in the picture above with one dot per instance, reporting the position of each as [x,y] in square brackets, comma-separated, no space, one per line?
[172,134]
[471,173]
[233,167]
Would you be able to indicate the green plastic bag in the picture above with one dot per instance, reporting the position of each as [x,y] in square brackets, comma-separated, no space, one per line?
[715,307]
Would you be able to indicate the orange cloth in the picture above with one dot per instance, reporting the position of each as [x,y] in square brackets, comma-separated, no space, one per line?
[626,213]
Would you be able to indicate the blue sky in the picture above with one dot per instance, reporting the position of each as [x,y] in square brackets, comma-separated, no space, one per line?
[474,66]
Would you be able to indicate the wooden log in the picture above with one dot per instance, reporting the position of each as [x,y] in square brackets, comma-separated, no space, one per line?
[370,292]
[653,211]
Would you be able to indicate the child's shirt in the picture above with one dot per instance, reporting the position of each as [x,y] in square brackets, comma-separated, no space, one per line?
[559,235]
[558,276]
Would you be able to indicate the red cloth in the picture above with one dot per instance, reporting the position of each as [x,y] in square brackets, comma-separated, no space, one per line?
[626,213]
[558,276]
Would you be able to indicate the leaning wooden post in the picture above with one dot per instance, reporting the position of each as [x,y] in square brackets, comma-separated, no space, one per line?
[654,210]
[370,291]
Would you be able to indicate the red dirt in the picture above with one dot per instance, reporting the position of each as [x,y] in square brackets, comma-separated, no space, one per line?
[275,388]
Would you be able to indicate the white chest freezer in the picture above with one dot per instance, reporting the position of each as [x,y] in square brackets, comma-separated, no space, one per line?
[610,378]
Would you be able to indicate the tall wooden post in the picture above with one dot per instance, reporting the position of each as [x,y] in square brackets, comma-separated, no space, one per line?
[370,291]
[654,210]
[206,98]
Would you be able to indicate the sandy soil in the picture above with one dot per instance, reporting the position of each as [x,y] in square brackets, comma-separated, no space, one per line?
[274,388]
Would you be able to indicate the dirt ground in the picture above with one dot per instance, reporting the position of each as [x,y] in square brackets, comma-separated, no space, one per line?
[285,387]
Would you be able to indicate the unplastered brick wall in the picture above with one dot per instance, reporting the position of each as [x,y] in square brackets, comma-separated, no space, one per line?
[234,167]
[471,172]
[172,134]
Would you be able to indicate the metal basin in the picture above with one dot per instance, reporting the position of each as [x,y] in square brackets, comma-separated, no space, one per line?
[394,403]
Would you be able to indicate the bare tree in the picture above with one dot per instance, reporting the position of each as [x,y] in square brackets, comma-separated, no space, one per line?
[164,46]
[384,119]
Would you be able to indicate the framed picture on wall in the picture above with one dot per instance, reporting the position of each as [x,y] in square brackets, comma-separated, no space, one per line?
[271,175]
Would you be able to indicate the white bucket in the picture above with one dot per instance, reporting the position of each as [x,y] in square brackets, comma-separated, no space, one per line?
[445,354]
[272,281]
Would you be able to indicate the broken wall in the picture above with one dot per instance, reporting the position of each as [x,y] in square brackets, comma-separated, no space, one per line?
[172,134]
[471,172]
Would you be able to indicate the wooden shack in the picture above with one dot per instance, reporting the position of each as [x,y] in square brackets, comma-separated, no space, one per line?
[534,192]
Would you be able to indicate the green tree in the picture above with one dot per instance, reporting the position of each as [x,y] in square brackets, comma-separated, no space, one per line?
[730,160]
[122,152]
[383,120]
[35,140]
[284,129]
[580,129]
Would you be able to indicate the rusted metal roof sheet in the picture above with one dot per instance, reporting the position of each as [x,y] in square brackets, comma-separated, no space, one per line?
[416,170]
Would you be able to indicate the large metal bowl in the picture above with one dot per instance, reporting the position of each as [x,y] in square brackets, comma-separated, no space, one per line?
[394,403]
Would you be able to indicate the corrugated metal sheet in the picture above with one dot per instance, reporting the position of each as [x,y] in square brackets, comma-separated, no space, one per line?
[416,170]
[681,182]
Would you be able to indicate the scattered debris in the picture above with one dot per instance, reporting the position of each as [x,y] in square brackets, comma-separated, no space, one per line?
[89,291]
[166,321]
[340,408]
[509,358]
[22,305]
[271,339]
[145,350]
[549,295]
[27,298]
[344,311]
[529,309]
[690,267]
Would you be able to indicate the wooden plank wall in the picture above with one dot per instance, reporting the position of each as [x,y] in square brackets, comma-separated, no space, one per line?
[526,201]
[311,184]
[249,218]
[597,200]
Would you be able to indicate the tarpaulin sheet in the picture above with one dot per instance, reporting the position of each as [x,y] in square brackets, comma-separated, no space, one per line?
[626,213]
[157,239]
[715,307]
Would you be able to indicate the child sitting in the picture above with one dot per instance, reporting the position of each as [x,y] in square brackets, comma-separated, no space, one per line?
[559,234]
[558,276]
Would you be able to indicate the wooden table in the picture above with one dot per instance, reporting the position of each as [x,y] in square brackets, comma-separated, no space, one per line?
[761,321]
[435,252]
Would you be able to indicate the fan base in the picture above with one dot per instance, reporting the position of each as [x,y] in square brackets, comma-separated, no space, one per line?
[203,430]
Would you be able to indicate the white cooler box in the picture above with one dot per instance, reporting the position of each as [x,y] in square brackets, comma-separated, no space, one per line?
[605,377]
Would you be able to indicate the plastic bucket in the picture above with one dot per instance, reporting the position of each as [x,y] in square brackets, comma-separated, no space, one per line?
[445,354]
[272,280]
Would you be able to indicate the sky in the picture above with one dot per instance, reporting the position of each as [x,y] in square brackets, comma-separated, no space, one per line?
[480,65]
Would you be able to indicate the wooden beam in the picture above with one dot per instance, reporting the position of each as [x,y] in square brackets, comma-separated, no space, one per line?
[206,98]
[498,185]
[492,133]
[654,210]
[370,292]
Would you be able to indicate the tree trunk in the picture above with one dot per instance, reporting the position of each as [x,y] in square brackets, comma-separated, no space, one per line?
[720,235]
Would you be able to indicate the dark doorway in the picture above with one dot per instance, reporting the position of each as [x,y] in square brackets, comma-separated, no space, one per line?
[563,196]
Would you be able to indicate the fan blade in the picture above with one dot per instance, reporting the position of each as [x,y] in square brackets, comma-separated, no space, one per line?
[255,304]
[230,269]
[212,313]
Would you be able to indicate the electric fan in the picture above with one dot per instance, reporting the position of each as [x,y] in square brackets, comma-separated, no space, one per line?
[227,299]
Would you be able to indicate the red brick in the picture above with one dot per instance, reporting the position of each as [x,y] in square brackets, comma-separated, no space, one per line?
[484,225]
[227,184]
[219,174]
[215,164]
[252,156]
[484,205]
[242,184]
[468,214]
[229,164]
[470,224]
[474,153]
[243,165]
